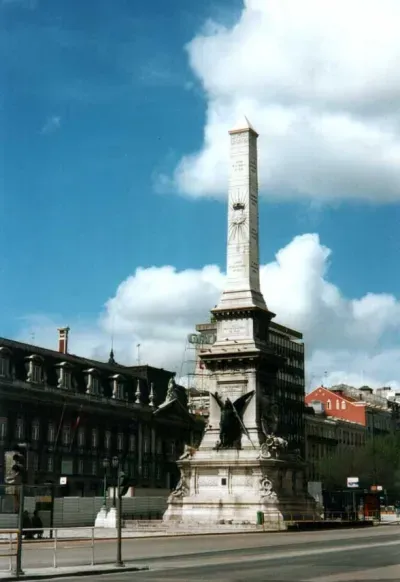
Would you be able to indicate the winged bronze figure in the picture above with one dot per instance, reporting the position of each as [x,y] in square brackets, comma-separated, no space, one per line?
[231,424]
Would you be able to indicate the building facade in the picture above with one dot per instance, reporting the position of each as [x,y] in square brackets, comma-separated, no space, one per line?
[325,435]
[287,391]
[377,414]
[76,415]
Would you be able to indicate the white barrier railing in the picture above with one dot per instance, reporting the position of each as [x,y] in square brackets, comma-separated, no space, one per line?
[8,547]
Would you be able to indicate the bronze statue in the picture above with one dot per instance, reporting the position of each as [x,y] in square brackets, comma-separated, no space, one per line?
[231,424]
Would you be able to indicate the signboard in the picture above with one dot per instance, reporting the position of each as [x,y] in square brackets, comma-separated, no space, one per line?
[202,338]
[353,482]
[63,480]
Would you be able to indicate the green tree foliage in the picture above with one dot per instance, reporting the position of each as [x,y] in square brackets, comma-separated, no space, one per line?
[377,462]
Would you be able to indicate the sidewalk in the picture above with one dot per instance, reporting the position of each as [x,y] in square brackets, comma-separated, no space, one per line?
[63,572]
[100,533]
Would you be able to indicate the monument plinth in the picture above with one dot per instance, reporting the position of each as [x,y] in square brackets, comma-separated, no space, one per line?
[242,466]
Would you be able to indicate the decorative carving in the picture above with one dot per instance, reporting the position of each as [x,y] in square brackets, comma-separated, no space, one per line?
[208,481]
[187,452]
[151,396]
[239,138]
[137,393]
[266,488]
[181,489]
[273,447]
[269,417]
[231,424]
[176,392]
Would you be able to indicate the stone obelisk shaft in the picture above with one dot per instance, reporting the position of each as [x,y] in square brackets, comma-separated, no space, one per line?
[242,287]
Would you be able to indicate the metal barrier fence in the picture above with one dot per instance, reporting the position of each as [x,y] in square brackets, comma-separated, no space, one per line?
[50,548]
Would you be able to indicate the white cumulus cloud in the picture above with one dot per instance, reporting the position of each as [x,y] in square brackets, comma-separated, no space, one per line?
[320,82]
[347,339]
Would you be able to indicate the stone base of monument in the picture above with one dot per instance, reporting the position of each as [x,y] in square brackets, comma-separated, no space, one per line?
[106,518]
[240,488]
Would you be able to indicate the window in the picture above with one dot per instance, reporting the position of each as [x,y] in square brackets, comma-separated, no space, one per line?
[35,462]
[81,467]
[158,472]
[94,438]
[120,441]
[107,440]
[328,404]
[146,445]
[117,387]
[95,385]
[92,382]
[343,405]
[36,373]
[172,447]
[35,370]
[50,464]
[132,443]
[337,404]
[4,363]
[3,429]
[51,433]
[19,429]
[35,430]
[145,472]
[66,434]
[64,376]
[81,437]
[159,446]
[94,467]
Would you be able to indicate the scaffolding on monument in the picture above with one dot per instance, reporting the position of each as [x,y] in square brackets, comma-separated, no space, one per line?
[192,372]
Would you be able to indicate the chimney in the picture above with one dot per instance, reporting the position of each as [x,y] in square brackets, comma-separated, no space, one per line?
[63,340]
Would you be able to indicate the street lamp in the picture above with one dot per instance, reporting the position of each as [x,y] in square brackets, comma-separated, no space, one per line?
[115,466]
[106,464]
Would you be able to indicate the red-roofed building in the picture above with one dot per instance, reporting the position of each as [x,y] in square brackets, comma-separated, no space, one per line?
[338,405]
[360,405]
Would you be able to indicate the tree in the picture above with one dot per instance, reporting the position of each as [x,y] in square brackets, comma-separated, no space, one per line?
[375,463]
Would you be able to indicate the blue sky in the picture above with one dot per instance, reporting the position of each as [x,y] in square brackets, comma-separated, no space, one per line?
[98,99]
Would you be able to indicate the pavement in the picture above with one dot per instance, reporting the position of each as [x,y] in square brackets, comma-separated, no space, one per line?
[326,556]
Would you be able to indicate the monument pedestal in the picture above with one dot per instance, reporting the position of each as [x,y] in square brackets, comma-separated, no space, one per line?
[235,486]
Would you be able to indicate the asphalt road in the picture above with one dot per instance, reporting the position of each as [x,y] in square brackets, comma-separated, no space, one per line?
[339,556]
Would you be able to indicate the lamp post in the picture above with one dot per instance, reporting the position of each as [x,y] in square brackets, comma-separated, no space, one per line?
[119,563]
[115,466]
[106,464]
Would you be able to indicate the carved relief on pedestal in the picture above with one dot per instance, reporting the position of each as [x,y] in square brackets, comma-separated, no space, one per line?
[273,447]
[208,481]
[181,489]
[267,489]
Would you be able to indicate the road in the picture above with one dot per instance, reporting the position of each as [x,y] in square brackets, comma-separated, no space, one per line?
[338,556]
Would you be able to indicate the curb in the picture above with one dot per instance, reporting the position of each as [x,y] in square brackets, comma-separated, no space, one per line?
[75,573]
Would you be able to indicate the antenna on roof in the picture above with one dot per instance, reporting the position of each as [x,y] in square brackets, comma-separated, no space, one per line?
[138,354]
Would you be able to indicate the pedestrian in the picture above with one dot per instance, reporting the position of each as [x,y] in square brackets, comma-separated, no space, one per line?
[37,524]
[26,525]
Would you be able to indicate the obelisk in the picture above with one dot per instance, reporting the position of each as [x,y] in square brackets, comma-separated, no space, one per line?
[242,287]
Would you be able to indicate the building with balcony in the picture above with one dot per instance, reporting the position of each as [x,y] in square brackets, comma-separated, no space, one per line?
[74,412]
